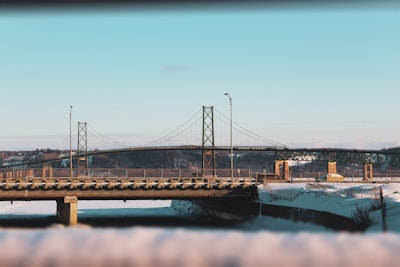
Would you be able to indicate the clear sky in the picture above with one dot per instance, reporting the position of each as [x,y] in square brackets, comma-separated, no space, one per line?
[326,77]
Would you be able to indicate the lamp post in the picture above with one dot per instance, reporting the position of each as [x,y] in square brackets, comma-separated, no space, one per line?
[231,144]
[70,142]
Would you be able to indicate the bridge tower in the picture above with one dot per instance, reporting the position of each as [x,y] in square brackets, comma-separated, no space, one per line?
[208,146]
[83,163]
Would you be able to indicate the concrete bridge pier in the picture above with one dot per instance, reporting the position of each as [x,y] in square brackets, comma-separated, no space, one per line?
[67,210]
[368,171]
[331,167]
[332,175]
[282,169]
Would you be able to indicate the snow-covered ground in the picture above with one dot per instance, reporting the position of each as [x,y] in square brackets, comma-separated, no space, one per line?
[263,242]
[337,198]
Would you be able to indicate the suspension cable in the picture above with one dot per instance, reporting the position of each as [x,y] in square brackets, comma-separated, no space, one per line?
[65,140]
[106,139]
[182,128]
[178,130]
[247,132]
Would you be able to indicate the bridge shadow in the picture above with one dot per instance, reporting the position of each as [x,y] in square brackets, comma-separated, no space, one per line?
[118,218]
[26,221]
[147,217]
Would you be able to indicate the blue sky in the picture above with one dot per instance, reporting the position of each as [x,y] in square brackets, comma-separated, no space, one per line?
[306,77]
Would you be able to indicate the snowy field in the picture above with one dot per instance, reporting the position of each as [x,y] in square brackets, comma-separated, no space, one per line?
[265,241]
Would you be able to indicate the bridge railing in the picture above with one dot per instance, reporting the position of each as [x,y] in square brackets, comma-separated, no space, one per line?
[184,173]
[123,172]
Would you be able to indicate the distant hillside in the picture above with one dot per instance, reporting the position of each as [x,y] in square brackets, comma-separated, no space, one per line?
[180,159]
[256,161]
[144,159]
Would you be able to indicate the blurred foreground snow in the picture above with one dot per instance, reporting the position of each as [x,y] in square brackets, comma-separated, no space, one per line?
[178,247]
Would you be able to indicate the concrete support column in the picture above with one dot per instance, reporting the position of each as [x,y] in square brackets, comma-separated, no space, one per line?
[331,167]
[277,167]
[285,172]
[368,171]
[67,210]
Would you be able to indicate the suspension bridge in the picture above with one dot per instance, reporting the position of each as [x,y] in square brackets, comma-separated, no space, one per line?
[21,181]
[201,133]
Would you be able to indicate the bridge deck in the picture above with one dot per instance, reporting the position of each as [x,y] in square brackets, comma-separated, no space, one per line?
[88,188]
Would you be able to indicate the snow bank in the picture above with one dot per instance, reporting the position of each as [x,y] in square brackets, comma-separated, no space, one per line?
[335,198]
[328,198]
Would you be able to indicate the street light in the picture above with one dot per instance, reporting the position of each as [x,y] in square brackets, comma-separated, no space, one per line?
[70,142]
[230,103]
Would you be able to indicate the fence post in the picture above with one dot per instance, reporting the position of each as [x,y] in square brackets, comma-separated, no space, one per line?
[383,209]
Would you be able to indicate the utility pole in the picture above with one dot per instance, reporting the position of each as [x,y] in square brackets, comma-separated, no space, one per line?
[231,143]
[70,142]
